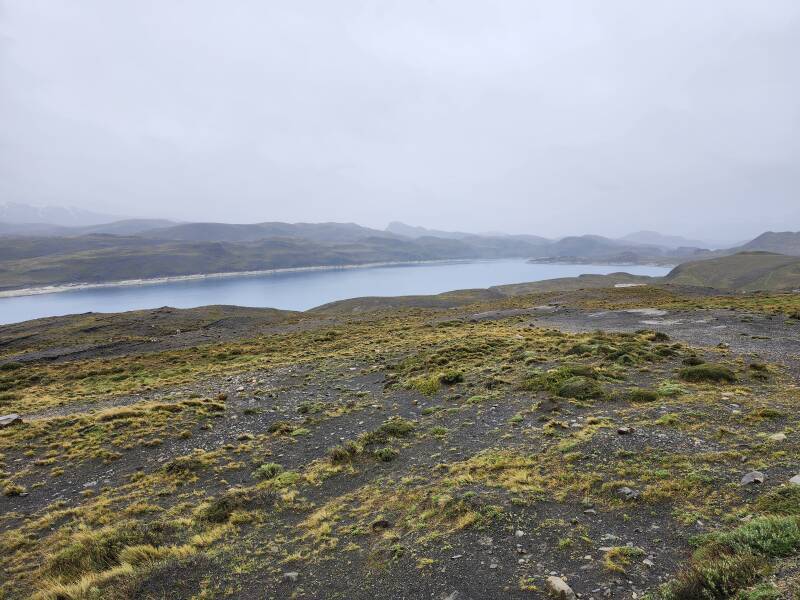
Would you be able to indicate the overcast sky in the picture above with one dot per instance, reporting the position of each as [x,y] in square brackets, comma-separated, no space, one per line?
[554,117]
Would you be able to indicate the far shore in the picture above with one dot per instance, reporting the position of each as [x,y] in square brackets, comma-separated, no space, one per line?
[67,287]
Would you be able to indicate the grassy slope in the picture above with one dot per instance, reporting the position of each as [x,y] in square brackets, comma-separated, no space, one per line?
[746,271]
[783,242]
[464,435]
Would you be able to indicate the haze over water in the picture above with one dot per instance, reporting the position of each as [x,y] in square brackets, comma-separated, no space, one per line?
[300,290]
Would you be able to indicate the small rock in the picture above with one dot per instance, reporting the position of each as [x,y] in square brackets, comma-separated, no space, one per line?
[519,533]
[628,493]
[753,477]
[648,563]
[11,419]
[291,576]
[795,480]
[559,589]
[625,430]
[453,596]
[777,437]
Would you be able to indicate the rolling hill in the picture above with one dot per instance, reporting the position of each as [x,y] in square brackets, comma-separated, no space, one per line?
[252,232]
[17,212]
[95,259]
[124,227]
[654,238]
[783,242]
[745,271]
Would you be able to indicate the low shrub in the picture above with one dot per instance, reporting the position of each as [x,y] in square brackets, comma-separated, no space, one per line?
[670,389]
[642,395]
[426,385]
[397,427]
[386,454]
[781,501]
[618,558]
[451,377]
[580,388]
[219,509]
[731,561]
[267,471]
[281,426]
[553,380]
[6,397]
[343,453]
[98,550]
[692,361]
[707,372]
[12,489]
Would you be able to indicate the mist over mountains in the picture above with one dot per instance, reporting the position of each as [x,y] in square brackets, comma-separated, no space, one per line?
[19,213]
[38,253]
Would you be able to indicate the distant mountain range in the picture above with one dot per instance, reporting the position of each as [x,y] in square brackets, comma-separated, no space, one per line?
[653,238]
[125,227]
[39,253]
[18,213]
[414,231]
[226,232]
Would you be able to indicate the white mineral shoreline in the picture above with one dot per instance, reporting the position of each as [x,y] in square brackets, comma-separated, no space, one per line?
[68,287]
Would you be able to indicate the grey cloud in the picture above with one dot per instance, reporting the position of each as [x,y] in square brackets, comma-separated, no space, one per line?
[541,117]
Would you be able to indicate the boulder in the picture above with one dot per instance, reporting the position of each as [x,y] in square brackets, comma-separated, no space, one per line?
[9,420]
[558,589]
[753,477]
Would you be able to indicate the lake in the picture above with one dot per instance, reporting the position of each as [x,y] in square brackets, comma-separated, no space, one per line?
[300,290]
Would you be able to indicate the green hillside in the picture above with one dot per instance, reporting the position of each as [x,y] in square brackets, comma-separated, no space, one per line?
[745,271]
[782,242]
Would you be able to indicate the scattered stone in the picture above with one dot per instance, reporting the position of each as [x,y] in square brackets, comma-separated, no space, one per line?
[625,430]
[559,589]
[11,419]
[291,576]
[628,494]
[753,477]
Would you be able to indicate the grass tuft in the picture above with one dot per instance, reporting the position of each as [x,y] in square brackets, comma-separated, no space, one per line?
[707,373]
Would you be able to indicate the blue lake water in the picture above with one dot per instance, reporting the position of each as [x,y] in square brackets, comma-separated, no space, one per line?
[300,290]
